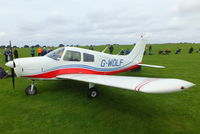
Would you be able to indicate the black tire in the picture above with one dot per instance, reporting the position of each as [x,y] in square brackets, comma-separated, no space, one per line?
[29,92]
[92,93]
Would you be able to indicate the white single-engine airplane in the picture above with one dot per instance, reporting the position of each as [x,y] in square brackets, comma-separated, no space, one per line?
[95,68]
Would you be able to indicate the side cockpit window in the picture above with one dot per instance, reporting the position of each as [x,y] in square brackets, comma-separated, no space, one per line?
[56,54]
[72,56]
[88,57]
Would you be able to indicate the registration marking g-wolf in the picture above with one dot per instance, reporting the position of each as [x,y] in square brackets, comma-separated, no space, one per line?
[111,62]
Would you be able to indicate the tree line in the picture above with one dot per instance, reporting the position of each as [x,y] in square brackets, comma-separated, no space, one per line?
[36,46]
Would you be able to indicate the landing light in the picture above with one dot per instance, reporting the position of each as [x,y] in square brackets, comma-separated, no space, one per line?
[182,87]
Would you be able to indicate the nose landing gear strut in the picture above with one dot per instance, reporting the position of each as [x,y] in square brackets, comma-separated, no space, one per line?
[31,89]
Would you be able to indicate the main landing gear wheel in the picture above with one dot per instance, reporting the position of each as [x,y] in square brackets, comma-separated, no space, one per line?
[31,90]
[92,93]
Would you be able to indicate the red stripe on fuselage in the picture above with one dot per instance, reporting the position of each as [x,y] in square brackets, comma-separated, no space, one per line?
[53,74]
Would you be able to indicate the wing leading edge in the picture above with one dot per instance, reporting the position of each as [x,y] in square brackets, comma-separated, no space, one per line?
[142,84]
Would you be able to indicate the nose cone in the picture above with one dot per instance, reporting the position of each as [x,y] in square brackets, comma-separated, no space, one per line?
[166,86]
[10,64]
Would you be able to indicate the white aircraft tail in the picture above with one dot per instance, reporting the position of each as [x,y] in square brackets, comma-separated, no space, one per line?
[138,51]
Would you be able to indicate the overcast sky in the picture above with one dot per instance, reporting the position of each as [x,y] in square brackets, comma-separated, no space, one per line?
[51,22]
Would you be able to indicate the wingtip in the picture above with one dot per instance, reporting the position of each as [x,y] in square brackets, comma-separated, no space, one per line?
[166,86]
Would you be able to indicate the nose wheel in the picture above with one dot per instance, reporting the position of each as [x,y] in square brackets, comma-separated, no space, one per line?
[31,89]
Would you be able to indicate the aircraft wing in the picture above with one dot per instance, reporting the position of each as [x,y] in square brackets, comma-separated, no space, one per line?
[142,84]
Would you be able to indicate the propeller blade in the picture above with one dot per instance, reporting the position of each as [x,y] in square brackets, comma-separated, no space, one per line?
[13,77]
[12,69]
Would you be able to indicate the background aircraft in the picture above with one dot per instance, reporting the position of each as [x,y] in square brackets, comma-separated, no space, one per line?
[95,68]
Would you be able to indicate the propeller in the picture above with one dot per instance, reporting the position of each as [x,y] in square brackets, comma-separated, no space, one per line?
[12,69]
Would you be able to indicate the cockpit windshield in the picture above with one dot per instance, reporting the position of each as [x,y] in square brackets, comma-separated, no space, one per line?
[56,54]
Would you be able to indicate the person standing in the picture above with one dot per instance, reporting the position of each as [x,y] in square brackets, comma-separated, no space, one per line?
[121,52]
[44,51]
[39,51]
[191,50]
[111,48]
[5,54]
[198,51]
[127,51]
[16,53]
[9,54]
[91,47]
[178,51]
[32,51]
[49,50]
[150,50]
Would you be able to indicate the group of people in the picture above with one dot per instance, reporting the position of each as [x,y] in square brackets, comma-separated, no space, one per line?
[150,51]
[111,48]
[40,51]
[3,73]
[44,51]
[8,54]
[178,50]
[122,52]
[167,51]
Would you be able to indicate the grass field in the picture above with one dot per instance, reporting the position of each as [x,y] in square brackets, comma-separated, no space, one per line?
[62,106]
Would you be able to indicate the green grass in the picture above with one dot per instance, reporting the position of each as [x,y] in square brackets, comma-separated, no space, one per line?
[62,106]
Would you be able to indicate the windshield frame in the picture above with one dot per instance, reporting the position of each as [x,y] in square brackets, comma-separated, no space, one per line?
[56,54]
